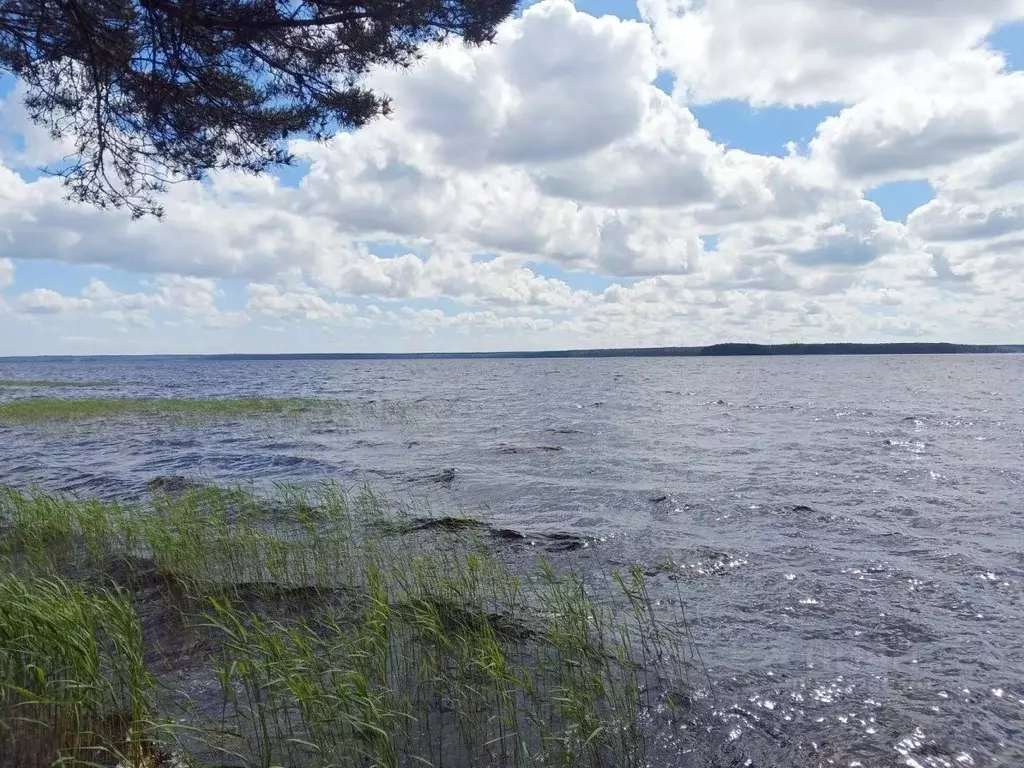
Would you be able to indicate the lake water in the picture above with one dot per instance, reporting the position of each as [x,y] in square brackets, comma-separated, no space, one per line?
[847,533]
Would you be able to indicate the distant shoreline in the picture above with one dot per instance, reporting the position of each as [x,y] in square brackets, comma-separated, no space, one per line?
[714,350]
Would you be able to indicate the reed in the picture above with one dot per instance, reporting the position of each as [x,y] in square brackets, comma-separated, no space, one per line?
[336,632]
[73,685]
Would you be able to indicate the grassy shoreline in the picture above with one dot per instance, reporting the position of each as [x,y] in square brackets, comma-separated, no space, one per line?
[332,630]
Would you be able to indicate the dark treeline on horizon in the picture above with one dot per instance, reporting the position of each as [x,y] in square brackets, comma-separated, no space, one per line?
[715,350]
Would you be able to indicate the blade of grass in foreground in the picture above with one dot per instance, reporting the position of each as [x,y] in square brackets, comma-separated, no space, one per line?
[73,685]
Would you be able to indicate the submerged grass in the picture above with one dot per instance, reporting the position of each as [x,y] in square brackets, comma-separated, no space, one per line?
[334,633]
[43,411]
[29,383]
[53,409]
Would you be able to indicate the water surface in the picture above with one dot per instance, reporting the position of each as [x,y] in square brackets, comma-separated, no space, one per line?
[847,533]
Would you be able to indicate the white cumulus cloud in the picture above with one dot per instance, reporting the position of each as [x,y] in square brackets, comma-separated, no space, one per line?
[544,191]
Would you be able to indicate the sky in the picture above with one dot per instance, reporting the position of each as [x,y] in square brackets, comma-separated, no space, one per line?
[677,172]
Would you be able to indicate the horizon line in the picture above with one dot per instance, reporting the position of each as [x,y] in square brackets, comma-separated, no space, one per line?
[725,349]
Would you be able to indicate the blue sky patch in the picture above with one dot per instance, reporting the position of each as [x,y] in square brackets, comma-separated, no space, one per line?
[291,175]
[621,8]
[898,199]
[233,294]
[387,249]
[666,81]
[761,130]
[1009,39]
[580,281]
[68,279]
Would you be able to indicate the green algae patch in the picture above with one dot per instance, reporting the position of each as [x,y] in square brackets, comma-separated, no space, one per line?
[49,383]
[41,410]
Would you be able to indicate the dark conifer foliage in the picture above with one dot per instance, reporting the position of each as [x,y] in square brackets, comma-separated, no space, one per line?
[150,92]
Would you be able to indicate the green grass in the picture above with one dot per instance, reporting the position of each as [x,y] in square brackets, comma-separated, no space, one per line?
[336,633]
[72,678]
[52,409]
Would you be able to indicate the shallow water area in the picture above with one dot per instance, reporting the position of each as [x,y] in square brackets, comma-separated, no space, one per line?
[845,533]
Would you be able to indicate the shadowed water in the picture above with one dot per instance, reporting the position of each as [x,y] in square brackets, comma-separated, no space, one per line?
[847,534]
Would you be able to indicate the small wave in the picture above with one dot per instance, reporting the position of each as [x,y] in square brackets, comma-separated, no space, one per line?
[708,563]
[916,446]
[93,484]
[511,450]
[256,465]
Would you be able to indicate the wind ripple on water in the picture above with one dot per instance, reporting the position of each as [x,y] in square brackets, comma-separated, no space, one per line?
[846,534]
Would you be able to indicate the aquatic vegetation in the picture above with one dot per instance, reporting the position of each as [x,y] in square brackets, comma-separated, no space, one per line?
[29,383]
[182,411]
[54,409]
[336,630]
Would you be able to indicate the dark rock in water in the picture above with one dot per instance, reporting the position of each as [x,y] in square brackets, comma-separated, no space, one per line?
[446,524]
[552,542]
[659,499]
[564,542]
[508,534]
[170,484]
[565,546]
[444,477]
